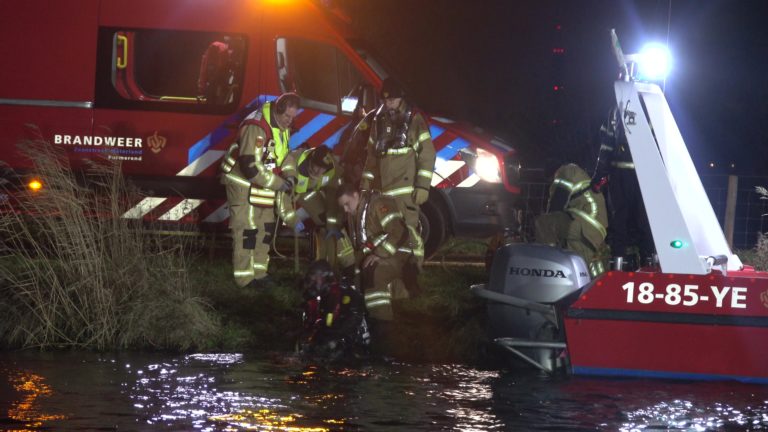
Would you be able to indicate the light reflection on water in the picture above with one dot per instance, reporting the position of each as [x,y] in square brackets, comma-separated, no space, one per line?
[233,392]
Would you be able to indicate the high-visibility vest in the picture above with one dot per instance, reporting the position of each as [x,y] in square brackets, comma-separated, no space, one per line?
[276,149]
[302,182]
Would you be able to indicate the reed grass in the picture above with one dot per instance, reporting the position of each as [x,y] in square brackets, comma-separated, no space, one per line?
[73,273]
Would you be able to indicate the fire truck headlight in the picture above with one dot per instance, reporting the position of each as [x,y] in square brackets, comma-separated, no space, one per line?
[487,166]
[654,62]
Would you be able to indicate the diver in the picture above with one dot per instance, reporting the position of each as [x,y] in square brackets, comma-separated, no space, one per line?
[334,325]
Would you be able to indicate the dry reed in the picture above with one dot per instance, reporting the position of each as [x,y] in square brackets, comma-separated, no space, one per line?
[73,273]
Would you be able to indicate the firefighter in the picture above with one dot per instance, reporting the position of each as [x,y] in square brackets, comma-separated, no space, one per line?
[576,217]
[401,156]
[629,236]
[352,147]
[217,68]
[252,178]
[389,253]
[318,175]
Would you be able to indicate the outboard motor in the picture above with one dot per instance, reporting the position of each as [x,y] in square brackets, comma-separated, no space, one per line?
[530,286]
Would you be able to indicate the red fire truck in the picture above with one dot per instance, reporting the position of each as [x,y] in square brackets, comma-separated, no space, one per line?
[124,81]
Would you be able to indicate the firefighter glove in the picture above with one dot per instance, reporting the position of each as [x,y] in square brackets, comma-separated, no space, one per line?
[420,196]
[288,183]
[302,214]
[333,233]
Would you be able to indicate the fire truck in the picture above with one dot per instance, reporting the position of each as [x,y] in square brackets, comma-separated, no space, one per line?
[162,85]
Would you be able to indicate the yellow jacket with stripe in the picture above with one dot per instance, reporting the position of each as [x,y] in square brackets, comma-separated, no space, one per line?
[252,160]
[571,192]
[315,195]
[397,171]
[380,229]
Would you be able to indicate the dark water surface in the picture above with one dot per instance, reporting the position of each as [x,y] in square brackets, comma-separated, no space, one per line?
[233,392]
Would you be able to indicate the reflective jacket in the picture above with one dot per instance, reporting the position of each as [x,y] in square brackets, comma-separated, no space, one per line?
[401,155]
[570,192]
[253,160]
[614,149]
[380,229]
[315,195]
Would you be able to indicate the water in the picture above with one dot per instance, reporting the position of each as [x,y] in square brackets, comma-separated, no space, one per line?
[232,392]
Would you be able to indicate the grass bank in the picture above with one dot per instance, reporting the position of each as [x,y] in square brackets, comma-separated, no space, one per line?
[74,274]
[445,323]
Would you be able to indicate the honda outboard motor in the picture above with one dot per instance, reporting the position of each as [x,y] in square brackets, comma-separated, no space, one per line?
[529,286]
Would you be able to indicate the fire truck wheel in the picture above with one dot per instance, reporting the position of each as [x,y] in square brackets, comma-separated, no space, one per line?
[431,227]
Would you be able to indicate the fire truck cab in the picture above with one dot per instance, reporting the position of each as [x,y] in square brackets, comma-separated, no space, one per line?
[162,85]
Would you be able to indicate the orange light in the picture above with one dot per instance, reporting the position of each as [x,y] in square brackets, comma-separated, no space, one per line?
[35,185]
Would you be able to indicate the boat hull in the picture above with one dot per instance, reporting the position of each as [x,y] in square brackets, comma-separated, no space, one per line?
[648,324]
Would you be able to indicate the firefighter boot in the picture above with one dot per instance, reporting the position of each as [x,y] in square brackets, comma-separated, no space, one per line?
[381,337]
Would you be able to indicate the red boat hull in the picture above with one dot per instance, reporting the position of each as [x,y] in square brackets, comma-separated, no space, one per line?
[672,325]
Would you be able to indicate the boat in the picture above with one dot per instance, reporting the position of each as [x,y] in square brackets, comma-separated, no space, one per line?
[696,312]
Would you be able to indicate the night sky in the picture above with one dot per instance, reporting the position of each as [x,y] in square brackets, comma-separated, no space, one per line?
[491,63]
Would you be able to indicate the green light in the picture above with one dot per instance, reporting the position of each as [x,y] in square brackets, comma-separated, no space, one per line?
[677,244]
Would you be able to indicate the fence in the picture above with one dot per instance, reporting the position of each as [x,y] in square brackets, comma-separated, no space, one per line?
[750,215]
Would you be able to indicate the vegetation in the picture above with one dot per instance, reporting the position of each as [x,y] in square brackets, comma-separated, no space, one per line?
[73,273]
[760,257]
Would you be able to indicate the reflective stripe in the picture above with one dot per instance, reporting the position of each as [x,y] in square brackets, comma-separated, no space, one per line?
[415,237]
[425,173]
[564,183]
[257,266]
[310,195]
[331,220]
[251,217]
[424,136]
[589,219]
[377,295]
[623,165]
[228,162]
[592,204]
[244,273]
[580,186]
[399,191]
[605,147]
[262,192]
[368,175]
[377,303]
[399,151]
[271,178]
[345,251]
[239,180]
[418,253]
[389,247]
[377,241]
[262,201]
[389,218]
[596,268]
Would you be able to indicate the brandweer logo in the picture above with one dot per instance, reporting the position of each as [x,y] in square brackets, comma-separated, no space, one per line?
[524,271]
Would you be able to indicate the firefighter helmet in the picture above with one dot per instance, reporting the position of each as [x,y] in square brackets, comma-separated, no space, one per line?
[390,88]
